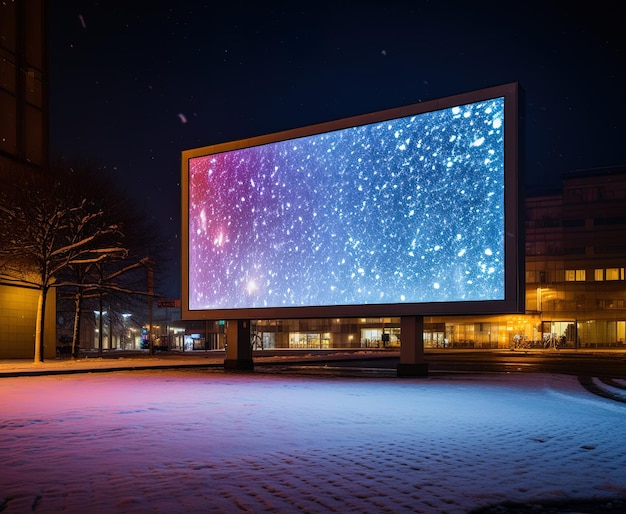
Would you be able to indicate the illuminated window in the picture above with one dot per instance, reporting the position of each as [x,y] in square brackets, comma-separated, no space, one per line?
[615,273]
[610,303]
[575,275]
[531,276]
[599,275]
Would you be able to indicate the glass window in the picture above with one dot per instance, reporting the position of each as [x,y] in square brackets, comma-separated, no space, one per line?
[615,273]
[7,71]
[34,135]
[599,275]
[8,123]
[575,275]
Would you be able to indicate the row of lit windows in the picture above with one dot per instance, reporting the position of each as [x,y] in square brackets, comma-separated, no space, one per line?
[599,274]
[612,303]
[575,275]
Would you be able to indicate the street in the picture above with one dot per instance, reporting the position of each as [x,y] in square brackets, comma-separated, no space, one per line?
[569,362]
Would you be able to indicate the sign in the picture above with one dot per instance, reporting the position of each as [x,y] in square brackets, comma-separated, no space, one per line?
[165,303]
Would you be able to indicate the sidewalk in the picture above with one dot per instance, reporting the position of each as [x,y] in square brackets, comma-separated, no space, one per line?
[119,361]
[113,361]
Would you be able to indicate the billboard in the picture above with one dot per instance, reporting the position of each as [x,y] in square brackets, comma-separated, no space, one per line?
[412,210]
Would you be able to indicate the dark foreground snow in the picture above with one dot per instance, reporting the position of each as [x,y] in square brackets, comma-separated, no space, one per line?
[168,441]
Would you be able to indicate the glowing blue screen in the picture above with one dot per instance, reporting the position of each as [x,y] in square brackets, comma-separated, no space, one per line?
[408,210]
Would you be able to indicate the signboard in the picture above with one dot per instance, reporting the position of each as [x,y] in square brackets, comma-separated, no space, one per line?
[166,303]
[413,210]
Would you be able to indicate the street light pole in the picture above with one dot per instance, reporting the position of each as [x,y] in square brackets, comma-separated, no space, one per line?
[100,327]
[150,302]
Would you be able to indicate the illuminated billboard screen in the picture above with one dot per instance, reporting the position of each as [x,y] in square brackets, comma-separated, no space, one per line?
[411,210]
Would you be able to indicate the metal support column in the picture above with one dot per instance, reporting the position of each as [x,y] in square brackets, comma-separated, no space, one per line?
[239,349]
[412,362]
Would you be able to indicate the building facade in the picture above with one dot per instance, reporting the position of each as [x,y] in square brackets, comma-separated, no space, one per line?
[576,256]
[23,84]
[23,149]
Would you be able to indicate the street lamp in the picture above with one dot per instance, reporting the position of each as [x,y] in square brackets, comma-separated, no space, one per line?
[125,317]
[99,314]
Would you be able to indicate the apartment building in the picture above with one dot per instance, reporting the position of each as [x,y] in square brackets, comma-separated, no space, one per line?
[576,256]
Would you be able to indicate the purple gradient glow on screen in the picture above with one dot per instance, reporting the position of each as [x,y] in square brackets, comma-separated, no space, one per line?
[402,211]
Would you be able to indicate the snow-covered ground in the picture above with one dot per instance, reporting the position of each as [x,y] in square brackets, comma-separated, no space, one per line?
[193,440]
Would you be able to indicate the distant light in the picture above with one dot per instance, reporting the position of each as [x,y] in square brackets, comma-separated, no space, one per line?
[182,117]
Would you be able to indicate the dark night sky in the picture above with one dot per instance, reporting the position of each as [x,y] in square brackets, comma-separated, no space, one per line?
[135,83]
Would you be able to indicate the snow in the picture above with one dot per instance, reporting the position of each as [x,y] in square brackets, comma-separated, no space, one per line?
[205,440]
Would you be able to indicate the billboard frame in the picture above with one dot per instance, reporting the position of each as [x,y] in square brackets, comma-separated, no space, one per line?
[513,301]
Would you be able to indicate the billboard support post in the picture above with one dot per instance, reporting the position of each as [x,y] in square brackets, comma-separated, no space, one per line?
[239,349]
[412,363]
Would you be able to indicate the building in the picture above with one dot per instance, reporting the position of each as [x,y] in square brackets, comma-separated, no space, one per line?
[23,85]
[575,259]
[23,149]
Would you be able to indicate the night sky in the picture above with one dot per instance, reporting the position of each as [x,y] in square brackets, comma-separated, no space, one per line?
[133,84]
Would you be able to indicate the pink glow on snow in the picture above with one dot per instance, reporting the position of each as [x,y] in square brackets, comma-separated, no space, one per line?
[198,441]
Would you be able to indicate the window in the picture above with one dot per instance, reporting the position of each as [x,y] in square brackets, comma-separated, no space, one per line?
[539,248]
[610,303]
[614,220]
[615,273]
[599,275]
[612,194]
[575,275]
[612,249]
[574,223]
[580,250]
[586,194]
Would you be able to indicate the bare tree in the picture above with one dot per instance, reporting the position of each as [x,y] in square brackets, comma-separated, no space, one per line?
[46,226]
[120,277]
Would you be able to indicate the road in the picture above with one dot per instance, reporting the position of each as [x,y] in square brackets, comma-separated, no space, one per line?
[572,363]
[600,364]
